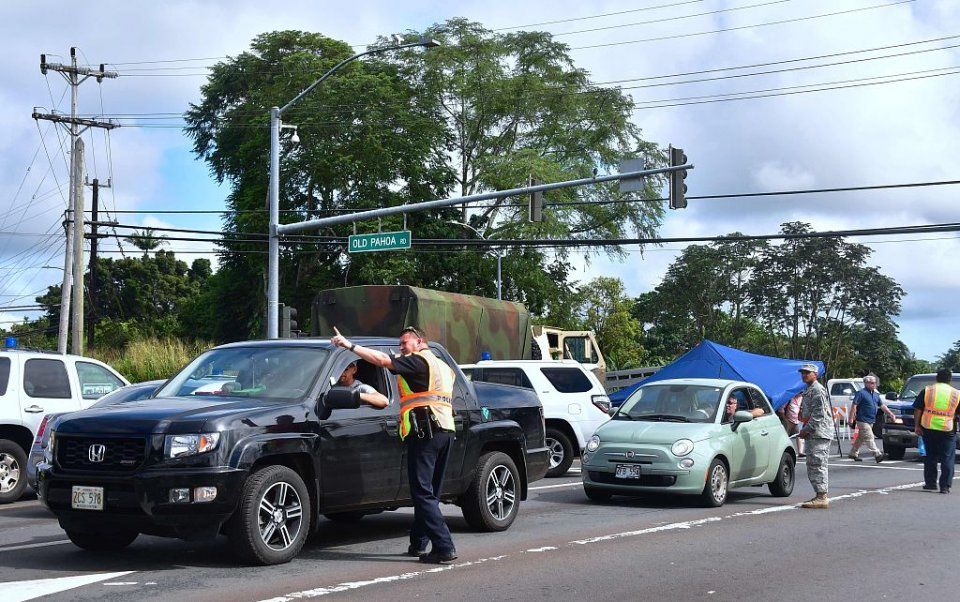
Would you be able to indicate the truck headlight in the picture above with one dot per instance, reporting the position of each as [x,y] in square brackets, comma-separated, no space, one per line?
[593,444]
[176,446]
[48,450]
[682,447]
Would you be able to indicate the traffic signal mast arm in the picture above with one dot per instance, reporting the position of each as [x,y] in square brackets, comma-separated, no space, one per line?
[316,224]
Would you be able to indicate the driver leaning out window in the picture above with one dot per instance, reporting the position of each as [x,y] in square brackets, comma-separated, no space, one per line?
[368,394]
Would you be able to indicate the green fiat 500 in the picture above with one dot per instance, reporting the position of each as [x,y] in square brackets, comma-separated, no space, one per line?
[691,436]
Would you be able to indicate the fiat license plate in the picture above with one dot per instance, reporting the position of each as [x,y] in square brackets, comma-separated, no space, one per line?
[628,471]
[87,498]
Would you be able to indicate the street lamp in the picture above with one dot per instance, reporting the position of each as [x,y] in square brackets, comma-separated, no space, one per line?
[499,253]
[273,250]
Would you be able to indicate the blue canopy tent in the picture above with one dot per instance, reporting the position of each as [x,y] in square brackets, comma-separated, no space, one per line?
[778,378]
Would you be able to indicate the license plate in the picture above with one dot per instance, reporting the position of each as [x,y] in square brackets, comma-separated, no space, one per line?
[87,498]
[628,471]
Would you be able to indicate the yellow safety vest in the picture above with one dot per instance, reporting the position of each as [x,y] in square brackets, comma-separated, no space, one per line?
[438,397]
[940,403]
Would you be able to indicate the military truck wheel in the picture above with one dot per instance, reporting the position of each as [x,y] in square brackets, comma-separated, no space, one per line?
[273,517]
[345,517]
[13,471]
[895,452]
[596,495]
[102,541]
[492,501]
[715,489]
[561,452]
[783,485]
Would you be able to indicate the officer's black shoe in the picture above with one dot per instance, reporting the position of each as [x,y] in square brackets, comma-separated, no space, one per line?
[930,487]
[416,552]
[944,490]
[439,558]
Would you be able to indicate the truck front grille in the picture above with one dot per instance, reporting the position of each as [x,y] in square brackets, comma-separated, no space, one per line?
[116,455]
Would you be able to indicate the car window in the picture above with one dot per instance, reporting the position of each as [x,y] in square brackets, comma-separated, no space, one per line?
[841,389]
[568,380]
[368,374]
[757,400]
[915,384]
[467,372]
[4,374]
[505,376]
[46,378]
[673,403]
[96,381]
[742,403]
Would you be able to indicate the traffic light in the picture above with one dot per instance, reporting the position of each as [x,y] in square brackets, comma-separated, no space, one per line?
[288,321]
[536,202]
[678,190]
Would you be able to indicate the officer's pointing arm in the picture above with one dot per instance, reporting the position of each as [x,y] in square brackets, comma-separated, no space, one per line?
[377,358]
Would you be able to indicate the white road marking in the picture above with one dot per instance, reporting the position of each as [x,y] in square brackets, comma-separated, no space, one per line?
[577,484]
[853,464]
[18,591]
[353,585]
[42,544]
[121,583]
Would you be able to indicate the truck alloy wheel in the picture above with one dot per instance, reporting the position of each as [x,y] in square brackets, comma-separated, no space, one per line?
[492,501]
[273,518]
[13,462]
[561,452]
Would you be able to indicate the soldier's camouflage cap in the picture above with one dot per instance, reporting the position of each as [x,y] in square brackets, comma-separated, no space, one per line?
[809,368]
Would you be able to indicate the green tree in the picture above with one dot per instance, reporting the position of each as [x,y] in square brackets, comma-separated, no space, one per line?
[482,112]
[146,240]
[950,359]
[605,309]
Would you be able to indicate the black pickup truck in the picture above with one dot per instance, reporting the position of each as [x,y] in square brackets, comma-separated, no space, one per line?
[256,440]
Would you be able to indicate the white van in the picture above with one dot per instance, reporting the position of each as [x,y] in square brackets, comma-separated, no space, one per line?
[36,383]
[574,401]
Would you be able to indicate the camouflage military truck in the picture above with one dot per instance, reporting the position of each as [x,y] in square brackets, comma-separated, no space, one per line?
[466,325]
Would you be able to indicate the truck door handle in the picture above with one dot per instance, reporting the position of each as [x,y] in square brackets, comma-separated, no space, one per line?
[34,409]
[764,433]
[458,423]
[392,427]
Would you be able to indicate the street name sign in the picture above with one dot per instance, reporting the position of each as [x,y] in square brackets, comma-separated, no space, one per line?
[379,241]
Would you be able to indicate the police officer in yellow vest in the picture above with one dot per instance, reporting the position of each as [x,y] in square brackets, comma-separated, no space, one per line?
[426,424]
[935,416]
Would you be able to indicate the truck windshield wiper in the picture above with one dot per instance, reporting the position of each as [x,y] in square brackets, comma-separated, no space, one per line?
[664,417]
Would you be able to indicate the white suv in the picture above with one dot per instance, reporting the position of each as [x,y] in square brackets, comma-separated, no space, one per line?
[574,401]
[33,384]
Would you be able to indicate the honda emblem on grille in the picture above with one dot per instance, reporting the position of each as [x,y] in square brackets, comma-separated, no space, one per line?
[629,454]
[96,452]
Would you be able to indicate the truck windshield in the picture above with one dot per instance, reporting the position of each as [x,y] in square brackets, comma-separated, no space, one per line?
[280,373]
[679,403]
[914,385]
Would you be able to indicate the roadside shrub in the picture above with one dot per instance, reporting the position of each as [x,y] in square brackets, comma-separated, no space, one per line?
[150,359]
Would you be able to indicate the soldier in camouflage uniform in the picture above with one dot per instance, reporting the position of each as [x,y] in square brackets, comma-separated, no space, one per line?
[817,429]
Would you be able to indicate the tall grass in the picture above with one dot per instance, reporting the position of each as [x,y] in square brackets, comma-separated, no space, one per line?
[151,359]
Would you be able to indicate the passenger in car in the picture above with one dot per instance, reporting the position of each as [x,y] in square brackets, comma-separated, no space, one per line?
[368,394]
[731,408]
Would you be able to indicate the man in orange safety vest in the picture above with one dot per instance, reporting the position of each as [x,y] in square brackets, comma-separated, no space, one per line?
[935,419]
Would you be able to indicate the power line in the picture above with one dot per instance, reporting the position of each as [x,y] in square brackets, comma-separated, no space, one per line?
[742,27]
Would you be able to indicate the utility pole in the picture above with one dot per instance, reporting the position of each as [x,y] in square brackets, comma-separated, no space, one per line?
[75,75]
[94,239]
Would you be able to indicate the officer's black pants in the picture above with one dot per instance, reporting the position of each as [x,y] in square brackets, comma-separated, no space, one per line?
[941,450]
[426,462]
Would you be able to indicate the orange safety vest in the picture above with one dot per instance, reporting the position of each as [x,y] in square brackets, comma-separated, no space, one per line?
[438,397]
[940,403]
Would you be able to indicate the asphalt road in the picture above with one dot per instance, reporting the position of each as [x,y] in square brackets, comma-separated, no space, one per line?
[874,541]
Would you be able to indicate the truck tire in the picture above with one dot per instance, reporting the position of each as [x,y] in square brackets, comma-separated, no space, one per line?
[102,541]
[783,485]
[492,500]
[272,520]
[561,452]
[715,489]
[894,452]
[13,471]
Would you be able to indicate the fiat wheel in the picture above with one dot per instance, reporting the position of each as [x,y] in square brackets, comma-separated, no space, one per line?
[715,489]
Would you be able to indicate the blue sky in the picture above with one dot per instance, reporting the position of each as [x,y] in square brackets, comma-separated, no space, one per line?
[899,132]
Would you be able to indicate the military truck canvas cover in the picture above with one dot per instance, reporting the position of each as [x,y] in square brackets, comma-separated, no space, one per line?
[466,325]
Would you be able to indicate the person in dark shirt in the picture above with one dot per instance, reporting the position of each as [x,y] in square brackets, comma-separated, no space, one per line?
[863,412]
[427,427]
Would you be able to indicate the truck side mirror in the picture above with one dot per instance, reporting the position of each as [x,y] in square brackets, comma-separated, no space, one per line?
[892,396]
[341,398]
